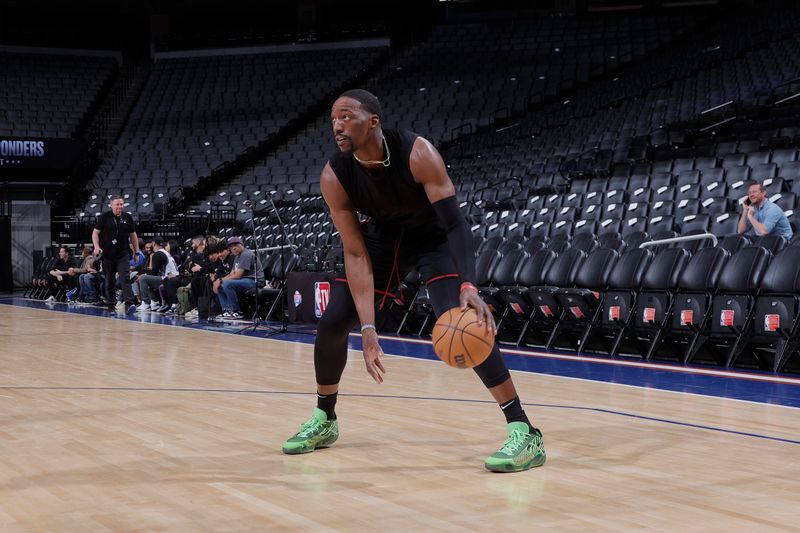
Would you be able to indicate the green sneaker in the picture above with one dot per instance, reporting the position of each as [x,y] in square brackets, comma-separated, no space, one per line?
[317,432]
[521,451]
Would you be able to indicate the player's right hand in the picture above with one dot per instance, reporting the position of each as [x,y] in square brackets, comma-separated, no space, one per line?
[470,298]
[98,251]
[372,355]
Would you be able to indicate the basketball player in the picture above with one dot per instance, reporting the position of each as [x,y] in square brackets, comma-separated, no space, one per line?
[399,181]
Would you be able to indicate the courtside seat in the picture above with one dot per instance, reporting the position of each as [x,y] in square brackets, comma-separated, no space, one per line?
[732,307]
[618,301]
[691,311]
[583,302]
[518,308]
[777,310]
[654,301]
[545,308]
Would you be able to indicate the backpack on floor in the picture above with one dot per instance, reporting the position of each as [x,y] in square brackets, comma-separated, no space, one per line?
[184,300]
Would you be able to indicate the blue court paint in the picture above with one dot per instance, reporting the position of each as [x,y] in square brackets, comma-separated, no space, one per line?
[749,386]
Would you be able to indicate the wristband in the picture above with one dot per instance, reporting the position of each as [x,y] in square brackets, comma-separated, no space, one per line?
[368,326]
[467,285]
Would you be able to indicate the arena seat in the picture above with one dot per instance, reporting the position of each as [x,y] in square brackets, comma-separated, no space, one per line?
[724,337]
[546,310]
[584,302]
[655,300]
[688,316]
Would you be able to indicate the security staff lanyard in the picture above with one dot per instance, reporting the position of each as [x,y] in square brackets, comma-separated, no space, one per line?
[116,229]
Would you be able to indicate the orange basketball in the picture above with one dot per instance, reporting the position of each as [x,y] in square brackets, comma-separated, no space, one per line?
[459,341]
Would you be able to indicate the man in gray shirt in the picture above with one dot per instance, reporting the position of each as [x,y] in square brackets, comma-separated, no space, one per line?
[246,273]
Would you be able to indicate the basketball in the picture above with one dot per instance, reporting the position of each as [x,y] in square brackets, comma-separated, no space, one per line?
[459,341]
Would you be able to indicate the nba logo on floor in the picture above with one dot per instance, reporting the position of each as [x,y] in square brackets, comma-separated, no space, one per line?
[322,293]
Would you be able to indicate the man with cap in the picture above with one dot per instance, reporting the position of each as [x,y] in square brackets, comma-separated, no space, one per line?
[246,273]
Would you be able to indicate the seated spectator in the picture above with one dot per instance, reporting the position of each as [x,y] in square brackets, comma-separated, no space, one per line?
[194,273]
[246,273]
[161,266]
[147,250]
[221,262]
[86,291]
[168,290]
[59,278]
[760,216]
[202,289]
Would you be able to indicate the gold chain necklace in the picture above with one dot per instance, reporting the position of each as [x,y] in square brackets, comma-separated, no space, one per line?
[386,162]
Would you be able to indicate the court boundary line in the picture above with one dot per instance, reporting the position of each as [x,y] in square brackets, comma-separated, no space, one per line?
[601,410]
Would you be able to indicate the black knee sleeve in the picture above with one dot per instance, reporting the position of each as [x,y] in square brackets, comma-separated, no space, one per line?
[330,348]
[493,371]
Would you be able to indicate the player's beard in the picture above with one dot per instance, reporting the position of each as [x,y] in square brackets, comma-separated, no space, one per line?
[351,147]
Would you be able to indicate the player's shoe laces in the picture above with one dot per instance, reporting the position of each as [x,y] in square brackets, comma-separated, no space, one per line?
[521,451]
[317,432]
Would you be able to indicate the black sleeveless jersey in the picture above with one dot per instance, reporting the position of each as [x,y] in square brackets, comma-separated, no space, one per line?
[390,196]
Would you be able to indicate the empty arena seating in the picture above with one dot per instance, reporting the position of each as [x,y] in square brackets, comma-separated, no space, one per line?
[432,87]
[48,95]
[197,113]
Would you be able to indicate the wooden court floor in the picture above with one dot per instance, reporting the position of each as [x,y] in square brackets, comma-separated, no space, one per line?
[113,425]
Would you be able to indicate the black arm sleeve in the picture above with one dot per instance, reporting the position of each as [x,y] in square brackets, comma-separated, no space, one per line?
[459,236]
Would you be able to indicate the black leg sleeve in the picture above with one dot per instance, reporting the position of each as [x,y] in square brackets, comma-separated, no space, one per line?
[330,348]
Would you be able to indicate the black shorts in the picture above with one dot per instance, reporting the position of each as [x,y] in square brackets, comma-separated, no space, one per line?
[394,253]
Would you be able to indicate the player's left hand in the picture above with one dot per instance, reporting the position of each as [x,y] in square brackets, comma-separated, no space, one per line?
[470,298]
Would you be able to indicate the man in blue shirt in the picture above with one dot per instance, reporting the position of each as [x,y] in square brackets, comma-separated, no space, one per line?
[760,216]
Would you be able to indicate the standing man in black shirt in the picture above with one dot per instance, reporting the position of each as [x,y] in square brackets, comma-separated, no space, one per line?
[399,180]
[112,234]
